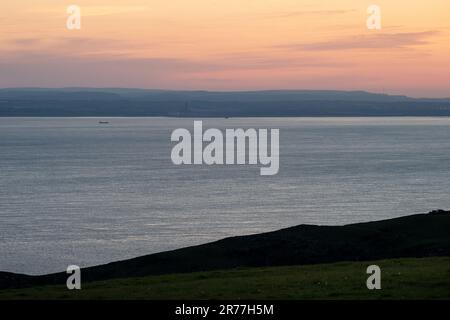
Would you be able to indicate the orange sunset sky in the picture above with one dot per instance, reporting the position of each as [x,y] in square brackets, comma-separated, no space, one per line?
[228,45]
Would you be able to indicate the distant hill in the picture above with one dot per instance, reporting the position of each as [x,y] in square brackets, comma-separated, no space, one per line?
[423,235]
[78,102]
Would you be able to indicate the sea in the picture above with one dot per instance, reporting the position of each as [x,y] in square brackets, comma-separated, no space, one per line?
[77,191]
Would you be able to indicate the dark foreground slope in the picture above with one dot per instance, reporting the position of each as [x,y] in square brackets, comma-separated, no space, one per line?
[423,235]
[405,278]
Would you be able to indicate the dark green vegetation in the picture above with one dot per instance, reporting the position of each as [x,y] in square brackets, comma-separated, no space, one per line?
[79,102]
[423,235]
[427,278]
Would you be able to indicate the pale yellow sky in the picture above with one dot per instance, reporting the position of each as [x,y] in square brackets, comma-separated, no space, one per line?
[228,45]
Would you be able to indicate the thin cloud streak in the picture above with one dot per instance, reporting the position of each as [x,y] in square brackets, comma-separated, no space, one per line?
[375,41]
[314,13]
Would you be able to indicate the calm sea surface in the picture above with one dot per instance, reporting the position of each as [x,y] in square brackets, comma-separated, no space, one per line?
[73,191]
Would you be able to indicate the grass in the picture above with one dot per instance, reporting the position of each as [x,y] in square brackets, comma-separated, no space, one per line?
[426,278]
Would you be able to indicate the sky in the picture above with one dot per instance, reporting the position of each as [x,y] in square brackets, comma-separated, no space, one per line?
[228,45]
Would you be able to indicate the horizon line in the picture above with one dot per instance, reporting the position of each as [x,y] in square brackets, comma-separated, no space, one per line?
[224,91]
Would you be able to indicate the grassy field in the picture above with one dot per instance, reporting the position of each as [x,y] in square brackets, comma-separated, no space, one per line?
[427,278]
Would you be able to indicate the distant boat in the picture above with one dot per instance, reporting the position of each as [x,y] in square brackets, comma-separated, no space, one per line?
[103,122]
